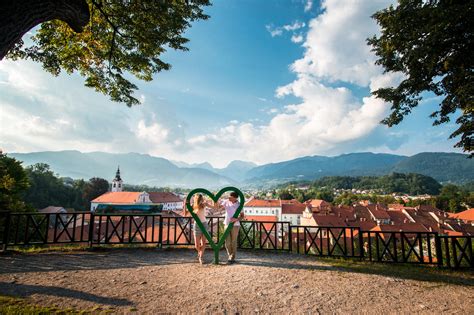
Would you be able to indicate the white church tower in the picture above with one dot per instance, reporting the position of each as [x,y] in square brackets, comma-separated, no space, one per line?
[117,183]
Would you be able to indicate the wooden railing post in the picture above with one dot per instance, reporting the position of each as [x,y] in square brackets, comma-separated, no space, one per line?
[361,244]
[439,250]
[91,230]
[290,239]
[6,232]
[160,233]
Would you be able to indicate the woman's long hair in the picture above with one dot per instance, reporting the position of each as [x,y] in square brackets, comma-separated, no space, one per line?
[198,202]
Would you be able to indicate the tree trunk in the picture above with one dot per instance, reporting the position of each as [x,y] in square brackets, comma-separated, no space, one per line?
[19,16]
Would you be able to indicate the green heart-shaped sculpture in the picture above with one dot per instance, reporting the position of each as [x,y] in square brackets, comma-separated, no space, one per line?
[215,198]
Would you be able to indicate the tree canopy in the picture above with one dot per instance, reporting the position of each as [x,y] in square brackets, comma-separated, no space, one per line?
[46,189]
[13,183]
[431,43]
[93,189]
[413,184]
[105,41]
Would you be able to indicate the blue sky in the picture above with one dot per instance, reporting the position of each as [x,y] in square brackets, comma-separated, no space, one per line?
[264,81]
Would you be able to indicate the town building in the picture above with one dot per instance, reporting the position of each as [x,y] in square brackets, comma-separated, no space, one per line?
[118,200]
[367,217]
[274,210]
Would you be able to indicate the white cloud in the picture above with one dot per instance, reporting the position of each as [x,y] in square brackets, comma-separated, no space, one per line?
[274,31]
[293,27]
[329,115]
[336,47]
[297,38]
[40,112]
[308,6]
[278,31]
[273,110]
[153,133]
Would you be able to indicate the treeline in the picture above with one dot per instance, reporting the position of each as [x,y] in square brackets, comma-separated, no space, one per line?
[146,188]
[411,184]
[36,187]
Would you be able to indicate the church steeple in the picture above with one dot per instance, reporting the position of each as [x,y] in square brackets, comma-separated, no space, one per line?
[117,175]
[117,183]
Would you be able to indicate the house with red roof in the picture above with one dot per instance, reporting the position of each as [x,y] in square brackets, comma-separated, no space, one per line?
[292,211]
[379,213]
[257,208]
[136,201]
[395,206]
[132,201]
[318,204]
[467,215]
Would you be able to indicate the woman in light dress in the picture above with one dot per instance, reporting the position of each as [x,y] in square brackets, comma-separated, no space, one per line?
[199,208]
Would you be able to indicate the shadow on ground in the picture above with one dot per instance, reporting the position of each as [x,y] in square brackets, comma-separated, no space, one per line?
[100,259]
[26,290]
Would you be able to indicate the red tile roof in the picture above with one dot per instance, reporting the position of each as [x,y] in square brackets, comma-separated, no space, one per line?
[424,218]
[405,227]
[364,225]
[290,201]
[163,197]
[398,217]
[344,212]
[362,212]
[467,215]
[318,203]
[467,229]
[293,208]
[453,233]
[263,203]
[426,208]
[118,197]
[378,212]
[261,218]
[395,206]
[329,220]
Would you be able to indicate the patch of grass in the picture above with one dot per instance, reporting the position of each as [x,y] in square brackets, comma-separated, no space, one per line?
[14,305]
[72,248]
[36,249]
[405,271]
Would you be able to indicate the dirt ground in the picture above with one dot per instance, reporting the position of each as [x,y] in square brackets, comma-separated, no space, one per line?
[171,281]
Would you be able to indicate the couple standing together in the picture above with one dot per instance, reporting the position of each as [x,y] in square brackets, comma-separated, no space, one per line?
[230,206]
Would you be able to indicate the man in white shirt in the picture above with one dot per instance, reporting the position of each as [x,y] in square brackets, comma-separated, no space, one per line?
[231,205]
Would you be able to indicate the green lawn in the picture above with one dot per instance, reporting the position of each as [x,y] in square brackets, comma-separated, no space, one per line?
[425,273]
[13,305]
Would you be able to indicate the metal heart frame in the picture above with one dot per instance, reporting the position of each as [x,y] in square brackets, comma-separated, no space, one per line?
[215,198]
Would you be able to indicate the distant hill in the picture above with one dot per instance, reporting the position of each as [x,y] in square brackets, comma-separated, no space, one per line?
[155,171]
[314,167]
[444,167]
[135,168]
[236,169]
[205,165]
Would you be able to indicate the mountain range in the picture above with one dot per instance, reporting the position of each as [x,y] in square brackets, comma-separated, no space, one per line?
[155,171]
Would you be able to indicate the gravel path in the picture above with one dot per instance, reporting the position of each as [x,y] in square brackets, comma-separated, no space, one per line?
[152,281]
